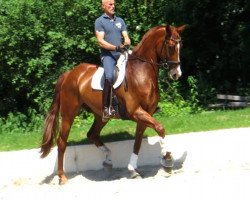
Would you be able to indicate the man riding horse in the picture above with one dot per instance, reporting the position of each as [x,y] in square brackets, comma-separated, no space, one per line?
[110,30]
[159,47]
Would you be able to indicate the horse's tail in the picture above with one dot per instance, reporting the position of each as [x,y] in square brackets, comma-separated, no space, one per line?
[52,120]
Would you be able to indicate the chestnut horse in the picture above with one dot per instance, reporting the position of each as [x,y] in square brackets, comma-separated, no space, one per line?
[160,46]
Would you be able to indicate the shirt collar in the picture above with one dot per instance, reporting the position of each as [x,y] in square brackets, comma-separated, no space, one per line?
[107,17]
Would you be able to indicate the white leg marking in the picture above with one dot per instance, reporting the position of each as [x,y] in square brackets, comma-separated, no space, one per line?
[106,151]
[164,149]
[133,162]
[163,144]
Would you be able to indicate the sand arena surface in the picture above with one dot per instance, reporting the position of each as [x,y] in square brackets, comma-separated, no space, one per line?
[215,165]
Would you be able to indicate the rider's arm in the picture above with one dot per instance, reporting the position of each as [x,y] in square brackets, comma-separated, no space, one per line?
[102,43]
[127,40]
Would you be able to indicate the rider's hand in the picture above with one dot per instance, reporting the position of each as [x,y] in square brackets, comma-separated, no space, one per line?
[126,47]
[120,48]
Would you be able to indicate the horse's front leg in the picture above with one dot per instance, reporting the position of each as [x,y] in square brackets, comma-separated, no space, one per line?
[141,116]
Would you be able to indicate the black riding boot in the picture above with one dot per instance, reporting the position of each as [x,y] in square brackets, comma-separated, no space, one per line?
[106,100]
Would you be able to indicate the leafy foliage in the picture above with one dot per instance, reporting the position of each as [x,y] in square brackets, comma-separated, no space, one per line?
[41,39]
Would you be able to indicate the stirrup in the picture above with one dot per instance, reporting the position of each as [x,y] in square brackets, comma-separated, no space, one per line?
[105,114]
[112,111]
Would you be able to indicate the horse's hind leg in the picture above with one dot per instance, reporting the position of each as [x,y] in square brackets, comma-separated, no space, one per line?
[94,136]
[62,143]
[132,166]
[68,111]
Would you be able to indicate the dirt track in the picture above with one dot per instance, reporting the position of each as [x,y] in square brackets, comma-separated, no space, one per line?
[222,172]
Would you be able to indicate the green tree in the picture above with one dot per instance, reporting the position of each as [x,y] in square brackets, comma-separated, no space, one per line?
[38,41]
[41,39]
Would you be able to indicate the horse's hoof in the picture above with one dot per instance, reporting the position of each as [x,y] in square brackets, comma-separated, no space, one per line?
[63,180]
[167,163]
[134,174]
[168,171]
[107,166]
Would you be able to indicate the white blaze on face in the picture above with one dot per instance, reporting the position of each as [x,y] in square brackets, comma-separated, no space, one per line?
[176,72]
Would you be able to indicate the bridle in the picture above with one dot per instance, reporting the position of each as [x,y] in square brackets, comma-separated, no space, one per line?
[168,63]
[163,61]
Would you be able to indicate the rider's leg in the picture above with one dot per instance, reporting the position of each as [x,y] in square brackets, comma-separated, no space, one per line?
[106,100]
[108,63]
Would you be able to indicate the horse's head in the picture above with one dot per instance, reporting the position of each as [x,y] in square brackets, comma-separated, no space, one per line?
[169,50]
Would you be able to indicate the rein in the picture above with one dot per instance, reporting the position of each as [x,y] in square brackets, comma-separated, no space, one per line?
[164,63]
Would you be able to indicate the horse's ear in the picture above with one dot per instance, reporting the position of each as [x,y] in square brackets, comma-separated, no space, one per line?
[168,29]
[181,28]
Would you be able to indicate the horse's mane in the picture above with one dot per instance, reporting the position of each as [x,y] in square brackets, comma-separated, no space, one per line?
[145,37]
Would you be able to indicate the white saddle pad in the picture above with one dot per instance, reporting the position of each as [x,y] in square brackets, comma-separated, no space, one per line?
[97,82]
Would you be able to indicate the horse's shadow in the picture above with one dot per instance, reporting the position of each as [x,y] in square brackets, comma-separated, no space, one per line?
[145,171]
[48,179]
[121,173]
[178,163]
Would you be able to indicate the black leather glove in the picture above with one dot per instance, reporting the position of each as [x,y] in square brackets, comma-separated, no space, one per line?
[126,47]
[120,48]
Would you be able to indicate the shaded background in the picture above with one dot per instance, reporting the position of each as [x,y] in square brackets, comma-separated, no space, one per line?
[41,39]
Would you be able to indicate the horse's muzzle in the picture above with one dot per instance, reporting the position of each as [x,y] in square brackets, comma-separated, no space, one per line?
[175,73]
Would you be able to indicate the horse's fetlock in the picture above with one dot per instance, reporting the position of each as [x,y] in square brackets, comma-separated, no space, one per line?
[160,129]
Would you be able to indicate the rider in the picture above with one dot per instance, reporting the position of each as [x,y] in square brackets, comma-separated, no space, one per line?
[110,31]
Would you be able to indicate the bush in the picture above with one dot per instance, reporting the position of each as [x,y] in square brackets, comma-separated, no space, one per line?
[39,40]
[20,123]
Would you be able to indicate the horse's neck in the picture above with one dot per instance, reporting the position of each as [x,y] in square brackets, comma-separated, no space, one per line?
[147,48]
[147,57]
[145,51]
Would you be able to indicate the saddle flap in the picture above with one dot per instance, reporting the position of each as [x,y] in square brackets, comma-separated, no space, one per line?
[97,82]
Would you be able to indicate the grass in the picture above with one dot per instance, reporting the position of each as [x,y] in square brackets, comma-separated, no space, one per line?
[122,130]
